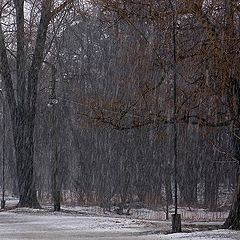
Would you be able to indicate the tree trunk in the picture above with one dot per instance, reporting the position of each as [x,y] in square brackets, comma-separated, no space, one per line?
[211,187]
[168,184]
[24,158]
[22,102]
[233,220]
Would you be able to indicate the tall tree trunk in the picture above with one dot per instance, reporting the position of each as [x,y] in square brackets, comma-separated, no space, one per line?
[233,219]
[24,150]
[168,183]
[26,183]
[25,117]
[22,103]
[211,186]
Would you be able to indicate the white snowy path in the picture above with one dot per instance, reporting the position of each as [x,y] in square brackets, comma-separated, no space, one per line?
[31,226]
[46,227]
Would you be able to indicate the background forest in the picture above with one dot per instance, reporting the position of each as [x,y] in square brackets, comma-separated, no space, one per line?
[99,91]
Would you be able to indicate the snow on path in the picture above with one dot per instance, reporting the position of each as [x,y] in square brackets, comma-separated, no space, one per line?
[21,226]
[51,226]
[206,235]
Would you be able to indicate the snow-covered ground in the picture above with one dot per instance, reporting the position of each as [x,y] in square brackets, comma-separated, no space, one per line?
[158,214]
[91,223]
[207,235]
[27,225]
[42,225]
[187,214]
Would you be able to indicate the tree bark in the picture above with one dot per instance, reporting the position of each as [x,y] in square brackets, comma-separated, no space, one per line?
[24,139]
[24,156]
[22,105]
[233,219]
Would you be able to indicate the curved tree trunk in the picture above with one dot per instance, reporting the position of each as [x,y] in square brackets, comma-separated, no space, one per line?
[233,220]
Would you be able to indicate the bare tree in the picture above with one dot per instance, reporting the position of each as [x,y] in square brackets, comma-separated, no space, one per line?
[22,96]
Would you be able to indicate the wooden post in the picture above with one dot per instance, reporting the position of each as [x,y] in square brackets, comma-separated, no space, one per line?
[176,223]
[56,188]
[176,218]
